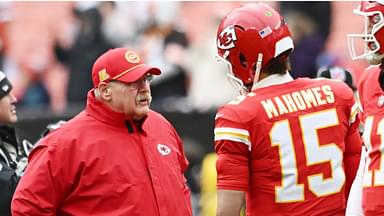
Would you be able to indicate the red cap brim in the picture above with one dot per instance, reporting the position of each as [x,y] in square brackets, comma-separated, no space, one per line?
[137,73]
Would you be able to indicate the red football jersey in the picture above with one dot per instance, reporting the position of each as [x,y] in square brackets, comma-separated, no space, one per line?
[372,101]
[285,145]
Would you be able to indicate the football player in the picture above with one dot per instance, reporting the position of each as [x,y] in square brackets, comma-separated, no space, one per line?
[368,187]
[284,146]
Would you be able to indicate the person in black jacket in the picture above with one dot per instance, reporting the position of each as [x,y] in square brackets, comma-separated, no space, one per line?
[12,153]
[89,43]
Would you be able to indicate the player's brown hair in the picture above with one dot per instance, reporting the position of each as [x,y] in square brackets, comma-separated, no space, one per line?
[278,65]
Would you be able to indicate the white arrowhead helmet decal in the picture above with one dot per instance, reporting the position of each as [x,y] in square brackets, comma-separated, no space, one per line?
[227,38]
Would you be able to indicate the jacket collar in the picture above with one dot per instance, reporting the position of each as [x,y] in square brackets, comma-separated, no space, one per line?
[103,113]
[8,134]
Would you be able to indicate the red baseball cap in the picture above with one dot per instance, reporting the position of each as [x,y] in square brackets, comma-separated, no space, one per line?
[120,64]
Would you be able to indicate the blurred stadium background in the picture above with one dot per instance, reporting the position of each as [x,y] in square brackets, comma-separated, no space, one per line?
[47,50]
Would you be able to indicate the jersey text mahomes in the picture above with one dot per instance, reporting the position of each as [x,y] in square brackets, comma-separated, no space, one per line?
[298,100]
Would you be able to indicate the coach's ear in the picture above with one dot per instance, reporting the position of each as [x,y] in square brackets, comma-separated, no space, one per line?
[104,91]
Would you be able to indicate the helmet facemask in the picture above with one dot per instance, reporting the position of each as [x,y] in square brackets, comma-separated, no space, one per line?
[236,82]
[365,45]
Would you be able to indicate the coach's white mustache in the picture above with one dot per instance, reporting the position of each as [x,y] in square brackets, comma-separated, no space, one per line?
[144,97]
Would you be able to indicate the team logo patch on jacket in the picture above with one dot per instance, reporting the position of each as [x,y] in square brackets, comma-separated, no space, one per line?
[163,149]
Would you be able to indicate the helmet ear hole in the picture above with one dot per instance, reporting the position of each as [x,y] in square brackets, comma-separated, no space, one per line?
[243,60]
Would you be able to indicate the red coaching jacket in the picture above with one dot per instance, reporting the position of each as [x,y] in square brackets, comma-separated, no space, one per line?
[101,163]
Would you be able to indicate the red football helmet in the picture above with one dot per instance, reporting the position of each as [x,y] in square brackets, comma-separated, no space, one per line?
[372,39]
[248,38]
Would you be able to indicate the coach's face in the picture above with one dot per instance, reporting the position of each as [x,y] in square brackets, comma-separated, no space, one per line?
[132,99]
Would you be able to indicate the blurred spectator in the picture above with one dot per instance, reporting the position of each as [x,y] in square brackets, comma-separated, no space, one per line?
[5,18]
[172,87]
[162,43]
[343,23]
[89,43]
[309,23]
[209,86]
[6,63]
[40,80]
[125,23]
[337,73]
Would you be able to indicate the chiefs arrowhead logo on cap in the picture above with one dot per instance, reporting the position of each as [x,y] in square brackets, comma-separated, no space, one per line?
[227,38]
[132,57]
[103,75]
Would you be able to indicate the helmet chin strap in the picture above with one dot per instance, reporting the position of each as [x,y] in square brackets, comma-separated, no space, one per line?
[258,69]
